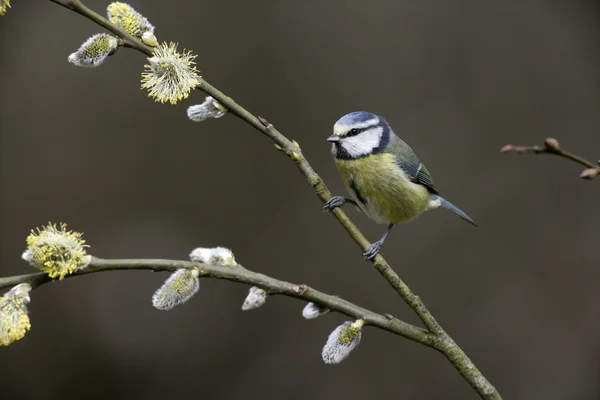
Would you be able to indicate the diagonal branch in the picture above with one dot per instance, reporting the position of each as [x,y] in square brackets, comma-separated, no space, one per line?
[552,146]
[242,275]
[441,340]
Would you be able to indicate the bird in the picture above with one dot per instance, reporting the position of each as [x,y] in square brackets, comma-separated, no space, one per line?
[383,175]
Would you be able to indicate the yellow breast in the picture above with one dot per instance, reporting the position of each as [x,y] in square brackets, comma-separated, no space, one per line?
[382,189]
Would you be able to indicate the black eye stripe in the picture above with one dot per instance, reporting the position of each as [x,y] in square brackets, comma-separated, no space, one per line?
[355,131]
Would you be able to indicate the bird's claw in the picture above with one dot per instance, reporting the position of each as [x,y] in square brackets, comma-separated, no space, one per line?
[334,202]
[372,251]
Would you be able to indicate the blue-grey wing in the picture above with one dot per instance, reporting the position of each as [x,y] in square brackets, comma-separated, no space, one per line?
[418,174]
[411,164]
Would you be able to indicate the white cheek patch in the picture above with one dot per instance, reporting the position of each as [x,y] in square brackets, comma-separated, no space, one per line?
[341,129]
[363,143]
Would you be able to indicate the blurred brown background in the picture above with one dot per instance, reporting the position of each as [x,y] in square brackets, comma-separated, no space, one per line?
[519,294]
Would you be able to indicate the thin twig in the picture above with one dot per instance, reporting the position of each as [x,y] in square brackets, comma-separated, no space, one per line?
[241,275]
[552,146]
[441,340]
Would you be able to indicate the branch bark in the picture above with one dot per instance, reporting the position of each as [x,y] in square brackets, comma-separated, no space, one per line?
[552,146]
[439,338]
[240,274]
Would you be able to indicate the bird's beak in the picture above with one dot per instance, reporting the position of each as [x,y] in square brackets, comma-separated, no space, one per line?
[333,139]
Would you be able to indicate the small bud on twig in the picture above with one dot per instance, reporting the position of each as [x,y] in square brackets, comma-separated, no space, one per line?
[552,145]
[264,122]
[520,149]
[216,255]
[257,297]
[211,108]
[590,173]
[312,311]
[149,38]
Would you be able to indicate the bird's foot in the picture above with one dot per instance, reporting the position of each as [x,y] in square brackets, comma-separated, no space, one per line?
[334,202]
[372,251]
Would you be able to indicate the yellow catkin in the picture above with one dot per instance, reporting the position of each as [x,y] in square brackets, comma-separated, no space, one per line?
[56,251]
[14,321]
[4,6]
[128,19]
[170,75]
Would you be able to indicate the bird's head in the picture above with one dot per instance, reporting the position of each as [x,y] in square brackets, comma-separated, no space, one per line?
[359,134]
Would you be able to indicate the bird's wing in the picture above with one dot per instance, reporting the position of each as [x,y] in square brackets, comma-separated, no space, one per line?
[423,178]
[411,165]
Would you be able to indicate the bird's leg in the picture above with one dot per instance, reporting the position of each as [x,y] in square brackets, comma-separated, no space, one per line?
[337,201]
[374,249]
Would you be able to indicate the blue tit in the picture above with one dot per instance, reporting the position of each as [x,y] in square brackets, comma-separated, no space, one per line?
[382,174]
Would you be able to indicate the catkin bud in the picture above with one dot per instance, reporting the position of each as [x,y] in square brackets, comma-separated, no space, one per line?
[4,6]
[14,321]
[342,341]
[179,288]
[94,51]
[128,19]
[149,38]
[312,311]
[211,108]
[256,298]
[215,255]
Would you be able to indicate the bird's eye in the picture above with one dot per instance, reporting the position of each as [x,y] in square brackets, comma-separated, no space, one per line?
[353,132]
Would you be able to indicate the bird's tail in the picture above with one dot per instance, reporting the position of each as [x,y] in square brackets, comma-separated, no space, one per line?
[449,206]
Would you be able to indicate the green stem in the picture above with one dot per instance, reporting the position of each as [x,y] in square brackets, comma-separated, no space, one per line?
[241,275]
[577,159]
